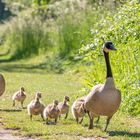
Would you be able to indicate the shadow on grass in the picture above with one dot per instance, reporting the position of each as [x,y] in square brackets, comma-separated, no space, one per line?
[10,110]
[124,133]
[15,65]
[10,66]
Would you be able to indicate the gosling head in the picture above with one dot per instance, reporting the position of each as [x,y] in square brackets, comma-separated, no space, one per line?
[22,89]
[108,46]
[55,102]
[38,95]
[67,98]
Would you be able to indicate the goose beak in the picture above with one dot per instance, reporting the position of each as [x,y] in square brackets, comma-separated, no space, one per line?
[113,48]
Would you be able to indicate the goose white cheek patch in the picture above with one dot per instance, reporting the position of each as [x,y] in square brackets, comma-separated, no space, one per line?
[106,49]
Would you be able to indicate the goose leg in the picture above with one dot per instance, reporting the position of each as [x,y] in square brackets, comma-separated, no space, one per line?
[107,123]
[90,121]
[98,119]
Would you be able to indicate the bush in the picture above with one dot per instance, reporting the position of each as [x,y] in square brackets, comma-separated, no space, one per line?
[123,29]
[26,38]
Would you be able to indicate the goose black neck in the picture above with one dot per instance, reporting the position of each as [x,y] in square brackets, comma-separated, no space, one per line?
[108,66]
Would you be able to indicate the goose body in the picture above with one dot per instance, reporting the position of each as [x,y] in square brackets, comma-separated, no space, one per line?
[103,100]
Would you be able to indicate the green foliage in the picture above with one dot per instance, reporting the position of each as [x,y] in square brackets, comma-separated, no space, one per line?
[56,86]
[123,29]
[71,33]
[26,38]
[74,38]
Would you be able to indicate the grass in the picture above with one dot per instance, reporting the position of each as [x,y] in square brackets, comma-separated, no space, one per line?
[41,45]
[56,86]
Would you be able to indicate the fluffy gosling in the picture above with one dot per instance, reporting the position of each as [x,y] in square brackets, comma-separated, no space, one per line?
[78,109]
[51,111]
[2,84]
[35,107]
[19,96]
[64,107]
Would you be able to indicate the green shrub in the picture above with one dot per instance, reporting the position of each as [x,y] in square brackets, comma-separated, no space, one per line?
[123,29]
[26,38]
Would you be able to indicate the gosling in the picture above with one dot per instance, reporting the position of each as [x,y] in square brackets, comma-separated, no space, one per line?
[2,84]
[36,107]
[64,107]
[19,96]
[78,110]
[51,111]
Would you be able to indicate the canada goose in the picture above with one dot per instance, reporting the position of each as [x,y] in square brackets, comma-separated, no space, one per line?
[2,84]
[78,109]
[35,107]
[19,96]
[51,111]
[104,99]
[64,107]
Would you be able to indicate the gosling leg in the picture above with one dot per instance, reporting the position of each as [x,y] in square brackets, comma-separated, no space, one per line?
[31,117]
[46,120]
[55,120]
[59,117]
[42,117]
[22,104]
[77,120]
[81,121]
[13,102]
[66,116]
[107,123]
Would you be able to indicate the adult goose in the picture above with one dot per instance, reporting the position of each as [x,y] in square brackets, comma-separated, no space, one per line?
[2,84]
[104,99]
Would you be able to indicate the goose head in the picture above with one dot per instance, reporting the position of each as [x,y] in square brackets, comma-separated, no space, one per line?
[108,46]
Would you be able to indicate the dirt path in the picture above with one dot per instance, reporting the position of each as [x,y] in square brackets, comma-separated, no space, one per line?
[6,134]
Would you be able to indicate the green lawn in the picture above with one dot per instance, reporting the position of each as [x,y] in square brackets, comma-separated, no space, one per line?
[55,86]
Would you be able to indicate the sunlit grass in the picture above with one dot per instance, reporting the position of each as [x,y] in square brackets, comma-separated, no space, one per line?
[56,86]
